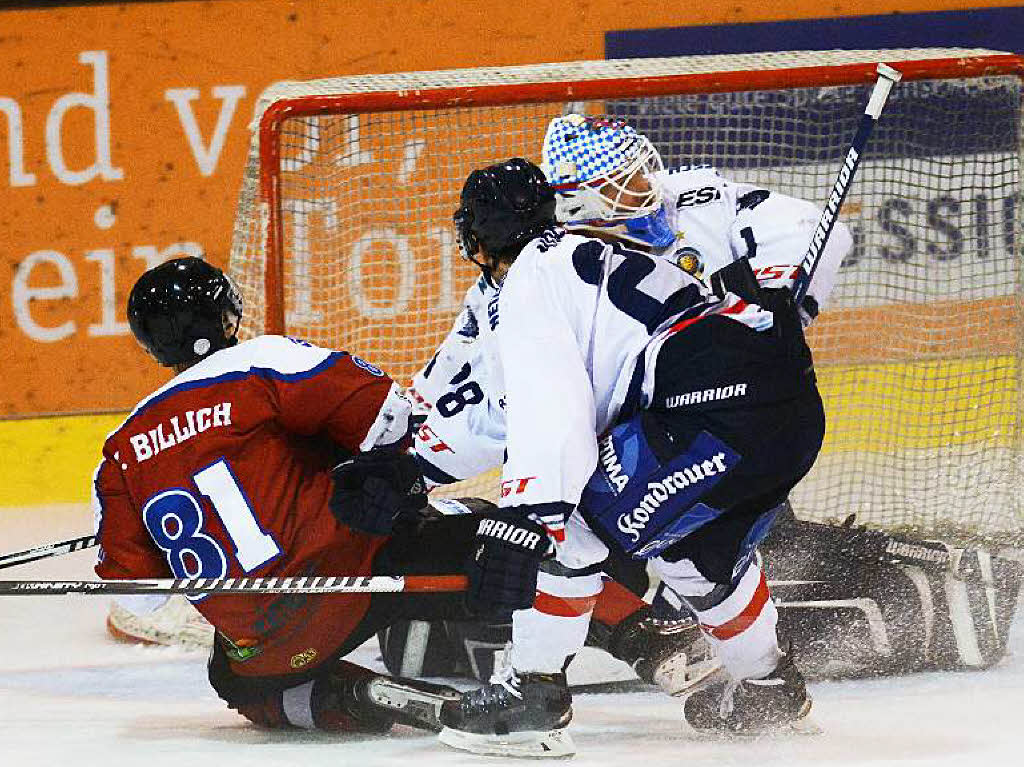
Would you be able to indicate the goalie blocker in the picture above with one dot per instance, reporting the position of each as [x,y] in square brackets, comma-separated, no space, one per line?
[854,602]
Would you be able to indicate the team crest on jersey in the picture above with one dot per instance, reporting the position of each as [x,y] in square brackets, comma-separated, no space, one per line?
[470,327]
[371,369]
[303,658]
[688,259]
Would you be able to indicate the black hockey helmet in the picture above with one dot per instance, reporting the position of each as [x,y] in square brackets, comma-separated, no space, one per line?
[503,206]
[184,310]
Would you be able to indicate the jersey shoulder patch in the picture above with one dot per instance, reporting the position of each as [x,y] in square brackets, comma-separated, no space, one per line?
[371,369]
[468,327]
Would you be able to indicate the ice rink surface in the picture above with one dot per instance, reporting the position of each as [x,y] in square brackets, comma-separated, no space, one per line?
[70,696]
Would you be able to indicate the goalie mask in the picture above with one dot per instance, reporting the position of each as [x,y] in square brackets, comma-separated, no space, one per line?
[503,206]
[184,310]
[602,172]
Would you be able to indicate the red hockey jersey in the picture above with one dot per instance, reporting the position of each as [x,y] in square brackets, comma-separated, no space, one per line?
[225,471]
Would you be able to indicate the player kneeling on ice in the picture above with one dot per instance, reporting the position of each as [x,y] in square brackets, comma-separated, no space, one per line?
[274,457]
[590,338]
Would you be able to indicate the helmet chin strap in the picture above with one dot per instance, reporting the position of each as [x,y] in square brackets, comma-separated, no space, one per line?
[487,267]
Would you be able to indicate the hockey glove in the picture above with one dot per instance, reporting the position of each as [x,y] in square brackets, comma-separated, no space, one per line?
[372,489]
[503,564]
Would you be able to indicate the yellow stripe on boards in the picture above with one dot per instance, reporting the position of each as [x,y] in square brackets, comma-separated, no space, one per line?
[879,408]
[933,404]
[51,460]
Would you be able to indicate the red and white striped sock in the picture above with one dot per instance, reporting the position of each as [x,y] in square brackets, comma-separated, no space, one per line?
[741,627]
[556,626]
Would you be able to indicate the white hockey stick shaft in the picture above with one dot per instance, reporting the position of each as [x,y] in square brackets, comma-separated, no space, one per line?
[47,550]
[887,77]
[298,584]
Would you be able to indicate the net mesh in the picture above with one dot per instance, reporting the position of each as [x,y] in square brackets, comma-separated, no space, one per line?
[919,354]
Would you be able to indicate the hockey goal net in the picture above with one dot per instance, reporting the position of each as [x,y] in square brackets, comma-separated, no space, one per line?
[343,236]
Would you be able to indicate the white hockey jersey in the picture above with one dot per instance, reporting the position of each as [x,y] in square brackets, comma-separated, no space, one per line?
[559,345]
[715,220]
[464,431]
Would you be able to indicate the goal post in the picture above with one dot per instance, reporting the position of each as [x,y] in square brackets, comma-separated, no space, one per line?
[343,236]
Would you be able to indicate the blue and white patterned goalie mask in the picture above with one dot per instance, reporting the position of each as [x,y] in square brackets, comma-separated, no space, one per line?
[602,171]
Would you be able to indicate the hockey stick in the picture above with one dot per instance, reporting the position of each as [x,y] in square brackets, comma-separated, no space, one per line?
[887,77]
[296,584]
[47,550]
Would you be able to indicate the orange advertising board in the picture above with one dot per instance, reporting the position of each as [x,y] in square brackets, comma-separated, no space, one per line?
[123,132]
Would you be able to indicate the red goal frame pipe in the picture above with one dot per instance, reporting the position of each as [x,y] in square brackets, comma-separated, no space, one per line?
[547,92]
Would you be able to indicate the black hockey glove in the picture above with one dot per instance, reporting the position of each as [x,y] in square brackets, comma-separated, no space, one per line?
[503,564]
[372,489]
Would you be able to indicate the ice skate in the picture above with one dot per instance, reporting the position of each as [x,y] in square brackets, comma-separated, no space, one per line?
[776,703]
[671,653]
[524,715]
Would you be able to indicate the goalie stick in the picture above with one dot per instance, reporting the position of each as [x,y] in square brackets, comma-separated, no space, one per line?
[296,584]
[47,550]
[887,77]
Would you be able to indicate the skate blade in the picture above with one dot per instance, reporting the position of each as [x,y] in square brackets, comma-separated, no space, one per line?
[552,744]
[411,702]
[805,725]
[683,678]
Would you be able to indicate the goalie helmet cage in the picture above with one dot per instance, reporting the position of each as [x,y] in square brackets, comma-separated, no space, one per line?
[343,236]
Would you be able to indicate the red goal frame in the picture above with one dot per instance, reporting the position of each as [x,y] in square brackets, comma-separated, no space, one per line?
[545,92]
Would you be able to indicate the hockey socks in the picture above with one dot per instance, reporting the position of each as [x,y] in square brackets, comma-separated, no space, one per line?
[739,624]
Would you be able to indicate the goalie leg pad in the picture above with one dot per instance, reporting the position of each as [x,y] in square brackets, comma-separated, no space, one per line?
[864,602]
[411,648]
